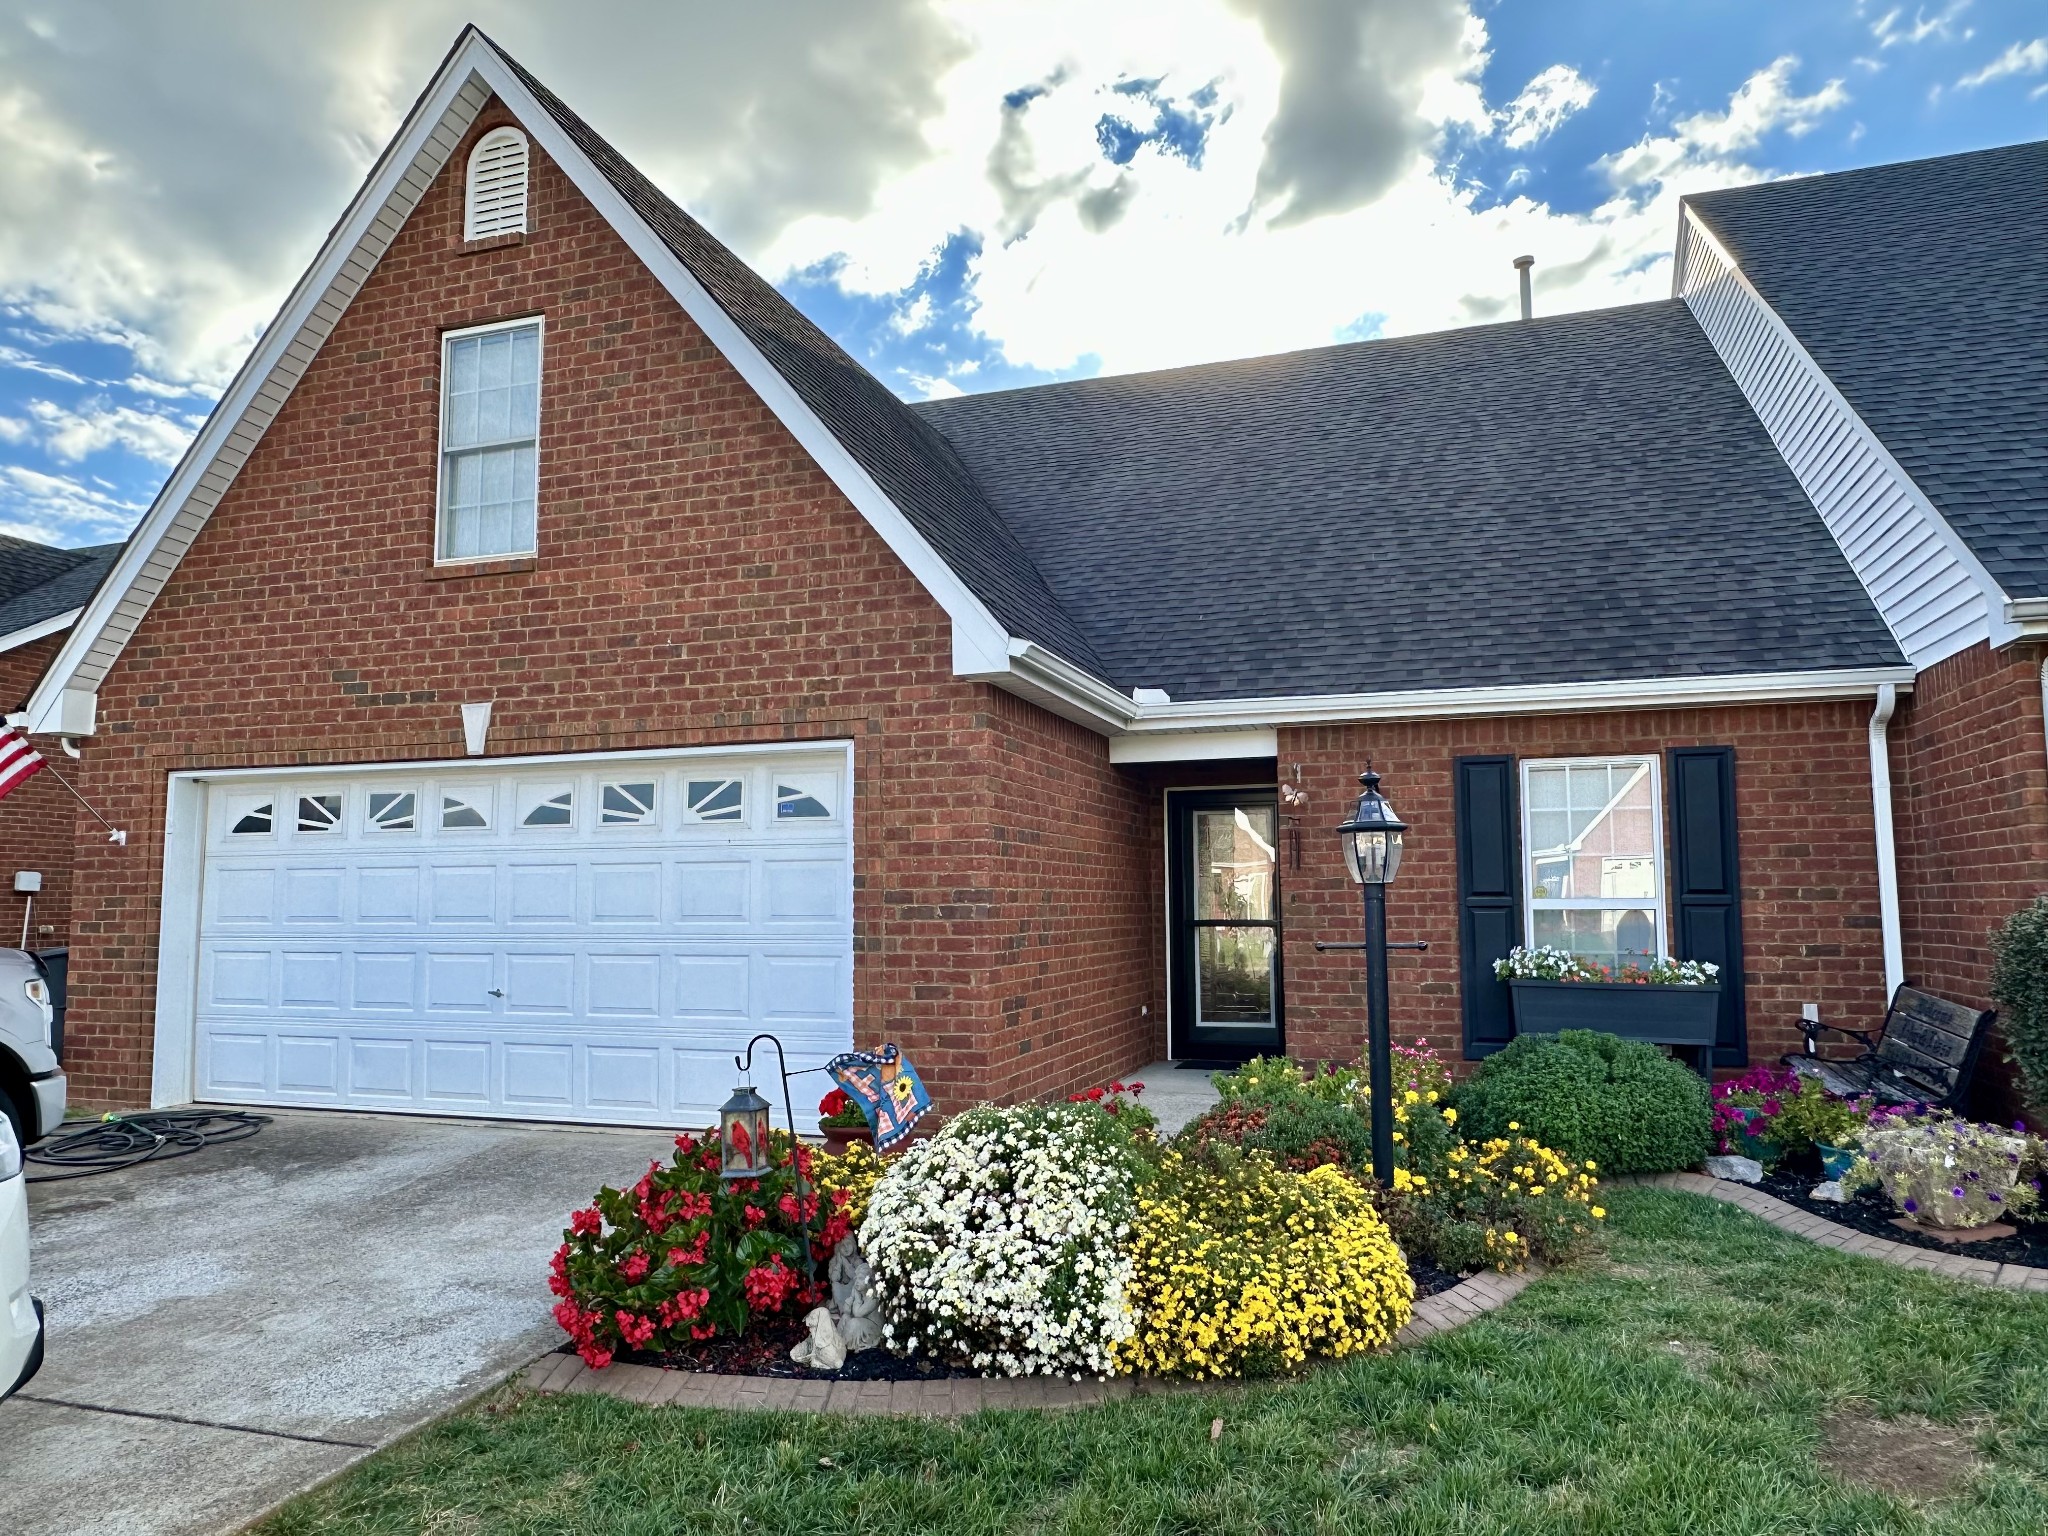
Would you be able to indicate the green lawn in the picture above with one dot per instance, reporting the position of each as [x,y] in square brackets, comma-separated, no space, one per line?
[1692,1379]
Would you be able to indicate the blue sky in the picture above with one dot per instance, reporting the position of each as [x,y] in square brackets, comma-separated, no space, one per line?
[968,194]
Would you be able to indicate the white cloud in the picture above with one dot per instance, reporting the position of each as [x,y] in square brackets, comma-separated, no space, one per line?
[75,434]
[28,362]
[55,509]
[1892,29]
[13,430]
[1544,103]
[1713,141]
[2019,59]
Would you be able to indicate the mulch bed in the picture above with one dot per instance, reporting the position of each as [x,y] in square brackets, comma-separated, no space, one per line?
[765,1352]
[1871,1212]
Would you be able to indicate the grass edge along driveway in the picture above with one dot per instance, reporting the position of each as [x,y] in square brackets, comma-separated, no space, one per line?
[1706,1373]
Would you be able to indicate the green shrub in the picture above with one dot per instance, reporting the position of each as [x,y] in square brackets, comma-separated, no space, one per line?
[1299,1131]
[1620,1103]
[2019,985]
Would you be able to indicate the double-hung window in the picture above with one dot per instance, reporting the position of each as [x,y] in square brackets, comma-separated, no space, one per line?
[1592,839]
[490,438]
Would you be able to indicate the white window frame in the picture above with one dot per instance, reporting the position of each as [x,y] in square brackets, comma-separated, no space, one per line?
[497,136]
[1660,903]
[441,449]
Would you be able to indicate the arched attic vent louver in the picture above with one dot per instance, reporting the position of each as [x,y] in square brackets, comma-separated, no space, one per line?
[496,203]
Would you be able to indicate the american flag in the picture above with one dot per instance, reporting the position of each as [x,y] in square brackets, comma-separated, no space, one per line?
[19,762]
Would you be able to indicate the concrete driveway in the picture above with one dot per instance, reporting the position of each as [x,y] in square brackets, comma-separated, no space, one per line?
[232,1326]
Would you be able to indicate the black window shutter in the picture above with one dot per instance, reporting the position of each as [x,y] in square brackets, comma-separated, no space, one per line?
[1489,896]
[1706,883]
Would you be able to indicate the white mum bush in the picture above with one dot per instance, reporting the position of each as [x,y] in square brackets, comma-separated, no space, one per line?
[1005,1241]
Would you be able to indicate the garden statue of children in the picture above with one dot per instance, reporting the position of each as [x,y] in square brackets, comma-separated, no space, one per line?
[854,1307]
[822,1349]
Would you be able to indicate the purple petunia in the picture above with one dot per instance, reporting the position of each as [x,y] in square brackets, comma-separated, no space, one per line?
[1912,1205]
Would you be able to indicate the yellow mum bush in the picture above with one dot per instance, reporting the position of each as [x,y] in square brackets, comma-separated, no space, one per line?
[1244,1268]
[1506,1200]
[855,1171]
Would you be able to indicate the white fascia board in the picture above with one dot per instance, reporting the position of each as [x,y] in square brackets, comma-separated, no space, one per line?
[1192,746]
[2028,617]
[1541,699]
[1692,231]
[1032,672]
[981,645]
[29,633]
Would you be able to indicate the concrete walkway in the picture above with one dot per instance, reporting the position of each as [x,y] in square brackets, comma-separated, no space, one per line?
[1175,1094]
[233,1326]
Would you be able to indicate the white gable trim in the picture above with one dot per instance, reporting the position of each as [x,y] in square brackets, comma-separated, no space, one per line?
[420,150]
[1932,591]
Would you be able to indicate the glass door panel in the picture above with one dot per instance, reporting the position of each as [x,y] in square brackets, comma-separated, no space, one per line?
[1224,952]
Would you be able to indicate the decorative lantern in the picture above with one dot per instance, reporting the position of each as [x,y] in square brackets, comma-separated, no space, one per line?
[1372,837]
[743,1135]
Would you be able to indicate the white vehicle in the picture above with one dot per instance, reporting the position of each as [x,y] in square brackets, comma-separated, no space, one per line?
[21,1315]
[31,1082]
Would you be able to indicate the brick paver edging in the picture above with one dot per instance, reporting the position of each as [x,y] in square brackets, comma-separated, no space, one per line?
[949,1399]
[1790,1218]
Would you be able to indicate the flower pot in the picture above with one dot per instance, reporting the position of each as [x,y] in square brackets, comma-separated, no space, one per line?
[839,1137]
[1834,1161]
[1655,1013]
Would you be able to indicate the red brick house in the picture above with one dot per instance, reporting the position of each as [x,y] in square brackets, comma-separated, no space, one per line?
[556,660]
[42,591]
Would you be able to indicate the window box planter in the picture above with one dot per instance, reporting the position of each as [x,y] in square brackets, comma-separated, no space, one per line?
[1686,1017]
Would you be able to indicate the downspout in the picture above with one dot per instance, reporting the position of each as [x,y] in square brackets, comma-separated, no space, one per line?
[1887,849]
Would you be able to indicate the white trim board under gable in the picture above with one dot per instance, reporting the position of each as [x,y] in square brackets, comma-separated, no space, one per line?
[1932,591]
[472,73]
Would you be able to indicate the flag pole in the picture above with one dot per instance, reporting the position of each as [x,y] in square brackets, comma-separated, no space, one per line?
[115,834]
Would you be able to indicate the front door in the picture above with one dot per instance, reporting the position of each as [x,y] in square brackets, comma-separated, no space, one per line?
[1223,962]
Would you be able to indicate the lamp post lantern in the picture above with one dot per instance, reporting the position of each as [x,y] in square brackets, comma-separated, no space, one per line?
[1372,855]
[744,1149]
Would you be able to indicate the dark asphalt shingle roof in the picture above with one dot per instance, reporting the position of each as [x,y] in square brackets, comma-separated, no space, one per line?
[915,467]
[38,582]
[1575,498]
[1920,290]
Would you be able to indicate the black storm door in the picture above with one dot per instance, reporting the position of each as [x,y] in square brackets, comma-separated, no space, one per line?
[1223,943]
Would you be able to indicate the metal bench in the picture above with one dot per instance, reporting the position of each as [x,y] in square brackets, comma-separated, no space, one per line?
[1925,1054]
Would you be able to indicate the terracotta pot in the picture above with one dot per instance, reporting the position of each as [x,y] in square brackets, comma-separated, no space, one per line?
[839,1137]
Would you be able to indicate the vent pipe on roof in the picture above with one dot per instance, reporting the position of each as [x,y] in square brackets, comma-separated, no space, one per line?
[1522,265]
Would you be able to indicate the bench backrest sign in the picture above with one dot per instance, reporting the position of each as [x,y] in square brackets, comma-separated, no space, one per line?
[1930,1041]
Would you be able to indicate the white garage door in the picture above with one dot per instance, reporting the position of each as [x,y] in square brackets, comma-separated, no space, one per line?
[574,940]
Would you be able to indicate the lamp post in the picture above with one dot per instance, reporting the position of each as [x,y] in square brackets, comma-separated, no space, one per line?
[1372,855]
[743,1138]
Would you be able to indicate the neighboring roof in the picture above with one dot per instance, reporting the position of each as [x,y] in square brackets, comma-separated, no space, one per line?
[1552,501]
[914,466]
[39,583]
[1918,289]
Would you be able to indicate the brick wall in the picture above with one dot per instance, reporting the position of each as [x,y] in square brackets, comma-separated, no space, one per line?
[1971,764]
[1808,851]
[36,830]
[699,580]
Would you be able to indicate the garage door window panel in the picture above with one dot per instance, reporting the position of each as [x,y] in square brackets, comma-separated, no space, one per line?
[803,800]
[319,813]
[547,805]
[251,820]
[469,811]
[626,804]
[716,800]
[392,811]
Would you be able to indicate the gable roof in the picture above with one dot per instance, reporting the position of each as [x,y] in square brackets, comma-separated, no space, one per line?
[42,587]
[1917,288]
[1557,501]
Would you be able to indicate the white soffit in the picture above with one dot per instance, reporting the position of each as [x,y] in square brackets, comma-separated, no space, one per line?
[1192,746]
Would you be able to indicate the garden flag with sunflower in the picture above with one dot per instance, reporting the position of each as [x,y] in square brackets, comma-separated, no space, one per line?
[885,1086]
